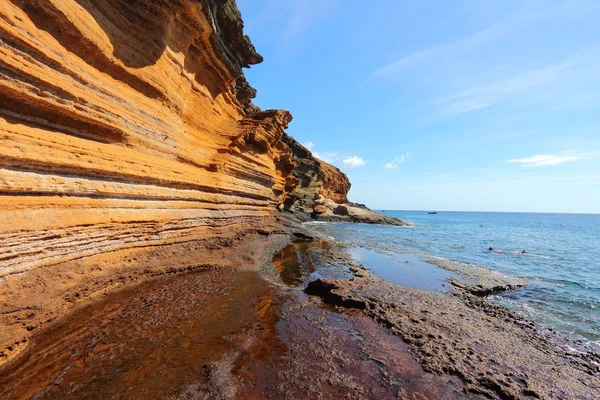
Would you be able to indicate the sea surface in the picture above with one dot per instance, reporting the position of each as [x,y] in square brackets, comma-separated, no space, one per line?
[561,266]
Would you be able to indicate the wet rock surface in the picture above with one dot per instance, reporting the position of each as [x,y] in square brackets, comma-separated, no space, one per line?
[311,324]
[493,350]
[149,341]
[341,355]
[477,280]
[222,334]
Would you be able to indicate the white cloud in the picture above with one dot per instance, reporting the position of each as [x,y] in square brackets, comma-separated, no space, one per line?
[309,145]
[354,162]
[327,156]
[397,161]
[543,160]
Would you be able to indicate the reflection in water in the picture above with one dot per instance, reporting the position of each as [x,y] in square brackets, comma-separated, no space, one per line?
[294,262]
[403,269]
[151,340]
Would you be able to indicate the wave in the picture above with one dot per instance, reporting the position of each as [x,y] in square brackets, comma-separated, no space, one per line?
[564,282]
[562,287]
[520,252]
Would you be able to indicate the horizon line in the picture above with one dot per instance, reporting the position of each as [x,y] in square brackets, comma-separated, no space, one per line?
[498,212]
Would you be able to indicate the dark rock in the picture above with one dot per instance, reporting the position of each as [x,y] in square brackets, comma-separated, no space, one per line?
[326,290]
[245,93]
[236,47]
[482,291]
[358,205]
[341,210]
[310,178]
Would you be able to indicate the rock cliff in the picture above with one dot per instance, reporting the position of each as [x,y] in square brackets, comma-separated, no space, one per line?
[128,140]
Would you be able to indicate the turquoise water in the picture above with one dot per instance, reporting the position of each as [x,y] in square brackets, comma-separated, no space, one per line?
[562,265]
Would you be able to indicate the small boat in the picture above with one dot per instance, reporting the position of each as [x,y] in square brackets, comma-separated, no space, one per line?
[432,212]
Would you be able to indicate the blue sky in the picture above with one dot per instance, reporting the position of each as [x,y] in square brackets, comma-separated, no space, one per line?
[448,105]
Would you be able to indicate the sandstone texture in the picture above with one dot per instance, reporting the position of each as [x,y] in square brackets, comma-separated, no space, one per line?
[129,147]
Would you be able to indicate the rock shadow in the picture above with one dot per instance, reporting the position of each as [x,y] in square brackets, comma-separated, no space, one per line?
[140,32]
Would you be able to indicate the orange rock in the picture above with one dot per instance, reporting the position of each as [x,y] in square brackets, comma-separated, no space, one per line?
[320,209]
[126,129]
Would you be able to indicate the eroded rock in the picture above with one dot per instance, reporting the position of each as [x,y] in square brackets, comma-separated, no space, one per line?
[127,130]
[494,351]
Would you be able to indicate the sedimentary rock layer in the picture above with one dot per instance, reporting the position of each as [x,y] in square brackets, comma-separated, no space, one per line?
[127,127]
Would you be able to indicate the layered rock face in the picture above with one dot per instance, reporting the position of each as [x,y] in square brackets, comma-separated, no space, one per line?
[311,178]
[126,127]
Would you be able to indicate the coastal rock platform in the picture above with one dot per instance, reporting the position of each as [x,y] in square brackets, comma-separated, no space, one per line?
[497,353]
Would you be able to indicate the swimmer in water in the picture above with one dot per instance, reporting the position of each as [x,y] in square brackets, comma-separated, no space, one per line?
[495,250]
[524,252]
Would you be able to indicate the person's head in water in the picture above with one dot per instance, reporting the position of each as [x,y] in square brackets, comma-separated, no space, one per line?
[491,249]
[524,252]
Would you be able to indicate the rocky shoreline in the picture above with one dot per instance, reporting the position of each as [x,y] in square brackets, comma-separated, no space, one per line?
[143,198]
[131,149]
[234,330]
[494,352]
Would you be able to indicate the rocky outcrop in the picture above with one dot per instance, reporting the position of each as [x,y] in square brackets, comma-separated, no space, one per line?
[335,184]
[311,178]
[129,146]
[318,190]
[328,210]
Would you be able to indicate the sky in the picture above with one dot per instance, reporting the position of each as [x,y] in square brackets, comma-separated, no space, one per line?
[462,105]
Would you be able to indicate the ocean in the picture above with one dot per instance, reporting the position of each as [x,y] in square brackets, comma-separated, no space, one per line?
[561,266]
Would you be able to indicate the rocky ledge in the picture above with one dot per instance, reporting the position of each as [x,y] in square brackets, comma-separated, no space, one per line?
[330,211]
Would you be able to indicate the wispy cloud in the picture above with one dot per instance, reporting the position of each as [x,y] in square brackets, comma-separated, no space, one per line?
[284,21]
[327,156]
[541,160]
[397,161]
[305,13]
[576,66]
[432,53]
[353,162]
[507,26]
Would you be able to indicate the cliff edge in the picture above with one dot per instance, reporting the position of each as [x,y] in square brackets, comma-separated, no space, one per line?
[128,140]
